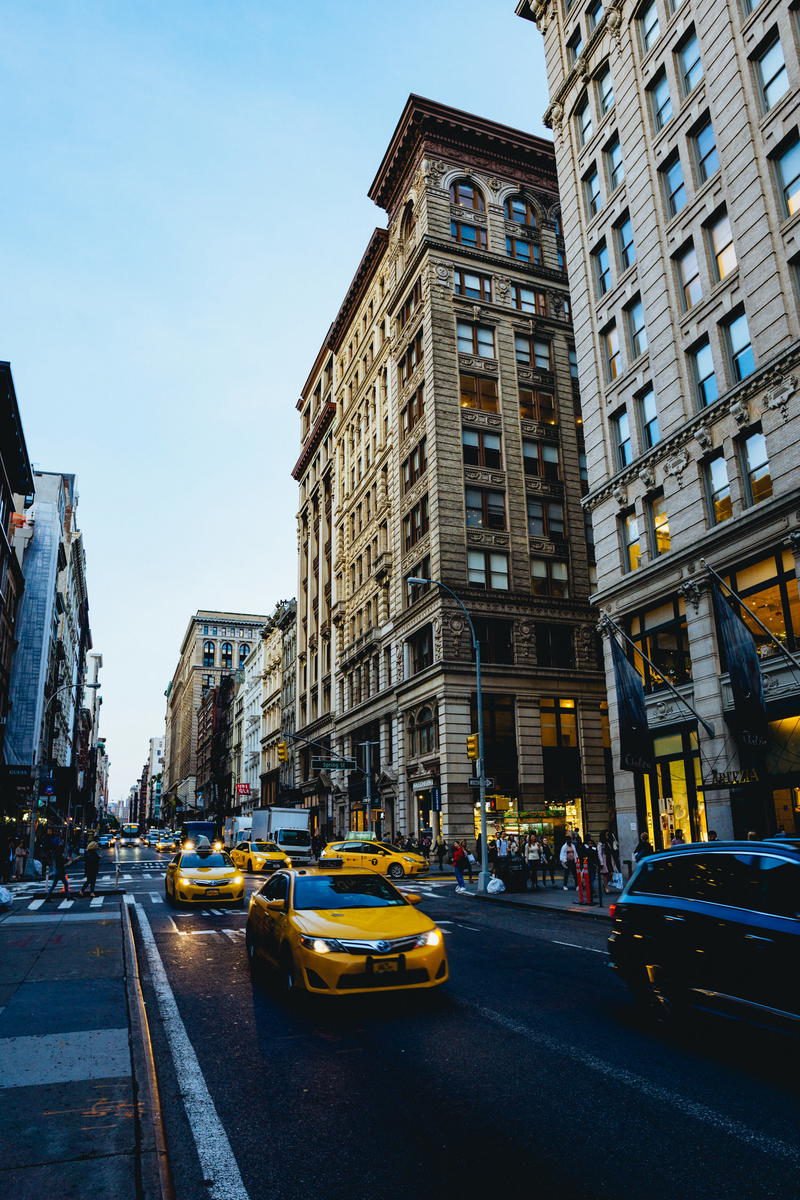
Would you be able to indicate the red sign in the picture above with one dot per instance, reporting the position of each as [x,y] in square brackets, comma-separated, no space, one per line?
[243,789]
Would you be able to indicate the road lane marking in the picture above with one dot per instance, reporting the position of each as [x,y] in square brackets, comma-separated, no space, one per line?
[66,904]
[97,902]
[692,1109]
[155,898]
[145,875]
[220,1169]
[127,878]
[34,904]
[577,946]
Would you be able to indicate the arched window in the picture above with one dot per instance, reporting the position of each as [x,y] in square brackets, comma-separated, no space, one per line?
[208,654]
[226,651]
[407,224]
[244,650]
[465,193]
[519,210]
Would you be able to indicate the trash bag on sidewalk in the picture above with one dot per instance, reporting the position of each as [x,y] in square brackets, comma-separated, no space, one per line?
[495,886]
[6,898]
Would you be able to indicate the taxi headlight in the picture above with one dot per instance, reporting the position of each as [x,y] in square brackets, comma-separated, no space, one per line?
[432,938]
[319,945]
[407,859]
[238,879]
[217,846]
[188,845]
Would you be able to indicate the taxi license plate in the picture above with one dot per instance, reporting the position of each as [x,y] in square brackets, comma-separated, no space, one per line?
[212,892]
[382,965]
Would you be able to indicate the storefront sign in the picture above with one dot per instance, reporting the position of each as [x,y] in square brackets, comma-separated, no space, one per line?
[724,779]
[422,785]
[243,789]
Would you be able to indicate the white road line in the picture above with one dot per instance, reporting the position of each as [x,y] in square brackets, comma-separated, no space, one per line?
[146,875]
[156,899]
[34,904]
[217,1160]
[576,946]
[97,902]
[614,1073]
[196,931]
[127,878]
[471,928]
[66,904]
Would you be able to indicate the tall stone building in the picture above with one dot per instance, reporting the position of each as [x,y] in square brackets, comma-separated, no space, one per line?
[678,153]
[442,438]
[215,645]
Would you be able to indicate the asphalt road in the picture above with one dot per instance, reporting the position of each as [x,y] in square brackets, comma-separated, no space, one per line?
[530,1073]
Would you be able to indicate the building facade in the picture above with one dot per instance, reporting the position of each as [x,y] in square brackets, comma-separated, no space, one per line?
[442,439]
[678,152]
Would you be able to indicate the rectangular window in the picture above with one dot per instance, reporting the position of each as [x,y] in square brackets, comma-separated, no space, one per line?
[421,571]
[605,90]
[626,246]
[772,73]
[559,726]
[689,276]
[719,489]
[528,300]
[594,14]
[602,267]
[535,404]
[705,377]
[481,449]
[661,100]
[518,248]
[615,167]
[475,339]
[637,329]
[662,635]
[485,509]
[788,163]
[575,45]
[722,247]
[471,285]
[420,646]
[741,350]
[468,235]
[487,569]
[756,464]
[540,458]
[612,352]
[621,435]
[705,145]
[555,646]
[476,392]
[415,523]
[691,66]
[546,519]
[415,465]
[583,120]
[648,24]
[769,587]
[674,186]
[532,352]
[413,409]
[658,522]
[550,577]
[496,639]
[648,418]
[411,359]
[631,549]
[410,304]
[594,200]
[573,363]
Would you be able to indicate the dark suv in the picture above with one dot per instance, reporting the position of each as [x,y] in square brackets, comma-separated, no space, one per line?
[714,925]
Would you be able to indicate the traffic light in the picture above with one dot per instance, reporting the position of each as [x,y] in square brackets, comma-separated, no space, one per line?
[283,752]
[472,746]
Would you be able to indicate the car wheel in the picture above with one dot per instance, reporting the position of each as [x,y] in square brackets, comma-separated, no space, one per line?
[287,976]
[395,871]
[250,865]
[253,961]
[656,997]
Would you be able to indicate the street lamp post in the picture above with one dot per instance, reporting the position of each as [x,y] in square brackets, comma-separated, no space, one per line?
[483,877]
[37,764]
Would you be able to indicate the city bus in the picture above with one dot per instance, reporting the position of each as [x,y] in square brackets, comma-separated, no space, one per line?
[129,835]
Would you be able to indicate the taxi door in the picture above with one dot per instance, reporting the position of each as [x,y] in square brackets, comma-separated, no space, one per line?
[273,929]
[350,854]
[238,853]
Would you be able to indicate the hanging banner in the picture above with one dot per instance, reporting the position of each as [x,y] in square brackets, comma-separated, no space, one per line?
[741,658]
[635,740]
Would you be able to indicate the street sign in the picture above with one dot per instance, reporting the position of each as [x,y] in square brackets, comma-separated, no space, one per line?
[476,783]
[333,764]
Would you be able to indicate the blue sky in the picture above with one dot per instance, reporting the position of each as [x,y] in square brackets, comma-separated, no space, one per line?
[183,205]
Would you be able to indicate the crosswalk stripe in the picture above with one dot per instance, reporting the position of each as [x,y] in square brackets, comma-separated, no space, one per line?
[66,904]
[146,875]
[155,898]
[97,902]
[34,904]
[127,878]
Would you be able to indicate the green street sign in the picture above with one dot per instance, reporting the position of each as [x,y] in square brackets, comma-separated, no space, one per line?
[333,764]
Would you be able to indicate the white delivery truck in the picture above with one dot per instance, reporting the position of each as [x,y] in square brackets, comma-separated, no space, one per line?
[237,829]
[286,826]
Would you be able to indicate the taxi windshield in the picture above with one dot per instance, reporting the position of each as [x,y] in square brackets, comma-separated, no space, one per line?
[344,891]
[205,859]
[267,847]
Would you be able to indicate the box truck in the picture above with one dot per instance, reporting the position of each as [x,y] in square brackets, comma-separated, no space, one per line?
[237,829]
[286,826]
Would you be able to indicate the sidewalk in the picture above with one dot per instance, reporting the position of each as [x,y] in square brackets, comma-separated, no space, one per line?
[551,899]
[68,1096]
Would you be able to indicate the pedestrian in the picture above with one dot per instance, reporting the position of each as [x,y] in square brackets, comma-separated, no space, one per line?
[569,861]
[471,862]
[91,865]
[643,848]
[533,858]
[491,852]
[547,858]
[459,865]
[604,860]
[592,859]
[501,845]
[678,839]
[59,864]
[20,855]
[712,835]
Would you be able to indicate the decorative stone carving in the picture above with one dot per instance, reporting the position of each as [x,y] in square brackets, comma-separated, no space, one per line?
[664,709]
[586,645]
[542,546]
[778,396]
[620,494]
[614,20]
[440,276]
[675,465]
[477,312]
[434,170]
[457,624]
[792,541]
[691,591]
[502,287]
[647,474]
[557,304]
[480,538]
[478,364]
[739,410]
[539,12]
[702,435]
[582,68]
[553,117]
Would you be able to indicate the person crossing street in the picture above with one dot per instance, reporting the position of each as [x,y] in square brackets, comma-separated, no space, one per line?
[59,867]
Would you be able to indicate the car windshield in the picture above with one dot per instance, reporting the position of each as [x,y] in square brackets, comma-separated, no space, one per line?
[294,837]
[267,847]
[206,858]
[344,891]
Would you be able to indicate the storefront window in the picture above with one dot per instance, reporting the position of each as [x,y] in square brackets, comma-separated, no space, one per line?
[661,634]
[561,757]
[769,589]
[671,798]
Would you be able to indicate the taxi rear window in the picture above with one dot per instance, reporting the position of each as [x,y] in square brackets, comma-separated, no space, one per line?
[267,847]
[193,861]
[344,891]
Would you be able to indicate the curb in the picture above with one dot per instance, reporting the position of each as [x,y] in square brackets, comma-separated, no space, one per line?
[155,1177]
[588,911]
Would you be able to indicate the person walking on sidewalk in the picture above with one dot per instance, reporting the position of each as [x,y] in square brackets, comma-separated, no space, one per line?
[59,867]
[440,849]
[547,858]
[533,858]
[460,863]
[91,865]
[20,855]
[569,861]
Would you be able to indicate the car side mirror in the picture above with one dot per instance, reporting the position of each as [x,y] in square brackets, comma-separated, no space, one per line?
[276,905]
[413,898]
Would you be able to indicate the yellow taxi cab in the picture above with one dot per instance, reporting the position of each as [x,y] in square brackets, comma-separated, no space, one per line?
[166,841]
[336,930]
[376,856]
[259,856]
[203,874]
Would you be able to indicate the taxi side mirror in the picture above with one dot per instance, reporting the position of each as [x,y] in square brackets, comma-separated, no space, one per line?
[275,905]
[413,898]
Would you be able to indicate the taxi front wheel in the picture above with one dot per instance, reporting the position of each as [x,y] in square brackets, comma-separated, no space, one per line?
[395,871]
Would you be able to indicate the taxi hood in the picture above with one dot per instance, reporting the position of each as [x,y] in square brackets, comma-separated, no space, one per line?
[356,923]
